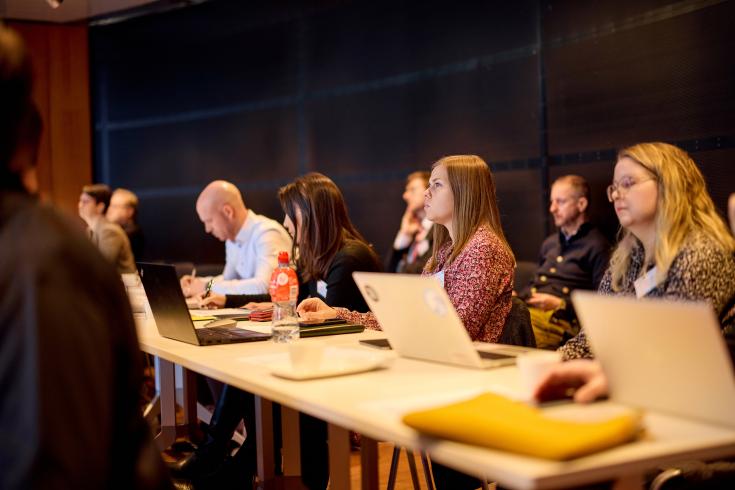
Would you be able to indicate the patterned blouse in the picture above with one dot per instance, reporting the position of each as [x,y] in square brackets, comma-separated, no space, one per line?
[701,271]
[479,282]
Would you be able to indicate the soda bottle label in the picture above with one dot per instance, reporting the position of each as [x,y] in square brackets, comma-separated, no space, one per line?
[284,285]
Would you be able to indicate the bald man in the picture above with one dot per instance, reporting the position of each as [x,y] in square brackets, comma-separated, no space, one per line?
[252,242]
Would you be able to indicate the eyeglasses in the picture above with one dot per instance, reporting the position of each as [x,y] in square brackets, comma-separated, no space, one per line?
[623,186]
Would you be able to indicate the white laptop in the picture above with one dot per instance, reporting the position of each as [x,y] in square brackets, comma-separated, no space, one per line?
[661,355]
[420,322]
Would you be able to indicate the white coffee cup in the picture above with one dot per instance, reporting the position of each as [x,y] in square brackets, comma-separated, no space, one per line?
[533,366]
[306,356]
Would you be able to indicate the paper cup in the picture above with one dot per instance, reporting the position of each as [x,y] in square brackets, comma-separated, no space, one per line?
[533,366]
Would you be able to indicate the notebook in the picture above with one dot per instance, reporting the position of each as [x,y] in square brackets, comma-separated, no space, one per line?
[667,356]
[421,323]
[172,315]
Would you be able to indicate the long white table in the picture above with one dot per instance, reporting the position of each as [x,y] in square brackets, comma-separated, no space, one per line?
[372,404]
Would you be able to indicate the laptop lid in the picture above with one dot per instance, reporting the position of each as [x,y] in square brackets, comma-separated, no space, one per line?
[661,355]
[167,302]
[419,319]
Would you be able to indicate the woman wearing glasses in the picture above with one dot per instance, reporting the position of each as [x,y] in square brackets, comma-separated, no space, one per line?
[673,243]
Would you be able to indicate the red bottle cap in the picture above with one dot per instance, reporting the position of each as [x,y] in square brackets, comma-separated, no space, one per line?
[283,257]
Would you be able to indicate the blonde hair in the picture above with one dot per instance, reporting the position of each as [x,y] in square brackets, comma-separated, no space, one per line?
[475,204]
[683,205]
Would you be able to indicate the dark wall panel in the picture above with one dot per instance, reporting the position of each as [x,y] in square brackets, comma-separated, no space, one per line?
[482,112]
[665,80]
[368,91]
[521,211]
[366,41]
[252,146]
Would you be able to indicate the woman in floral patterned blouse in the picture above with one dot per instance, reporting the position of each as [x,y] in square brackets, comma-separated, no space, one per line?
[470,257]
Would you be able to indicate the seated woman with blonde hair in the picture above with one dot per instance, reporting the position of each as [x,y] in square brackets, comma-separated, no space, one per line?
[673,243]
[470,257]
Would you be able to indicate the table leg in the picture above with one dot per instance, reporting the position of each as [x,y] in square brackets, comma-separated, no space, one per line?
[264,438]
[189,395]
[291,442]
[369,463]
[167,396]
[339,457]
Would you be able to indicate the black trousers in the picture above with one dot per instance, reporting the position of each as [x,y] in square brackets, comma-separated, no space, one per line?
[235,405]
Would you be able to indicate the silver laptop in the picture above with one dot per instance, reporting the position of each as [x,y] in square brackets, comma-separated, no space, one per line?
[420,322]
[662,355]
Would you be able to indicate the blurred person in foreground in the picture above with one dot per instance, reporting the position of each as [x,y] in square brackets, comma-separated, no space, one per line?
[70,367]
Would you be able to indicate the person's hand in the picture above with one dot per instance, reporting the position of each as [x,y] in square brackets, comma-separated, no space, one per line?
[192,286]
[265,305]
[582,376]
[544,301]
[410,224]
[213,301]
[315,309]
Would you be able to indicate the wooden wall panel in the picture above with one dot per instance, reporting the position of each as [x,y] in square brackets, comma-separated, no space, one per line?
[60,57]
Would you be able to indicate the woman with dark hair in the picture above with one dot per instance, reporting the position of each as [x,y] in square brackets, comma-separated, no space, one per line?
[329,249]
[327,245]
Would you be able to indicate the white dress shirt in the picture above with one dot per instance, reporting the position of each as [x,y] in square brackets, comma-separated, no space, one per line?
[252,256]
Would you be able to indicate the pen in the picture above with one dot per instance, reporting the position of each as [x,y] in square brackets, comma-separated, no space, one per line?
[208,288]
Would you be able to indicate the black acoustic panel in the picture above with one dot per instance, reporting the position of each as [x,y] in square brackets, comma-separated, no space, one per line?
[208,71]
[522,212]
[565,19]
[173,231]
[376,209]
[717,168]
[599,175]
[663,81]
[259,146]
[364,41]
[491,112]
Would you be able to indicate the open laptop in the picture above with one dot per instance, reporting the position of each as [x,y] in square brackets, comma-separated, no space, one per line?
[420,321]
[172,315]
[661,355]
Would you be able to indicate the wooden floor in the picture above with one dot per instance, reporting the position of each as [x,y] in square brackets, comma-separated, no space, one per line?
[385,452]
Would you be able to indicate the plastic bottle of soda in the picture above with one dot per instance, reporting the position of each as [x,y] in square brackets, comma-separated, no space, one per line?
[284,291]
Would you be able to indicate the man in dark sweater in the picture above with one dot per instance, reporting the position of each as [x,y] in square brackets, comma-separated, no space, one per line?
[573,258]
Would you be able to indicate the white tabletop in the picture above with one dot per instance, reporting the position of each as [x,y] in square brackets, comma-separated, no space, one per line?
[372,403]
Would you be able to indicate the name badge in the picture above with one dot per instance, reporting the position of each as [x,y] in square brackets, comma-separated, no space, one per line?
[439,276]
[321,288]
[644,285]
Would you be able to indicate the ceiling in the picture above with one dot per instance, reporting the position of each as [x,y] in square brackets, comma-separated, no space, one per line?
[68,11]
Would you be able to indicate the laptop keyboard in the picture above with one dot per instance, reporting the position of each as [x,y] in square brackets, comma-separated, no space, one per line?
[218,333]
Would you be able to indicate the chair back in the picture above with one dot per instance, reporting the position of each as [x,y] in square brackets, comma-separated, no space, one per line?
[518,329]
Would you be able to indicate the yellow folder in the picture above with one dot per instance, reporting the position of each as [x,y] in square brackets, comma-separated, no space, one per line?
[497,422]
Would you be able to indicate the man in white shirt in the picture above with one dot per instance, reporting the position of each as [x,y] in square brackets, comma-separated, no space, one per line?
[252,243]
